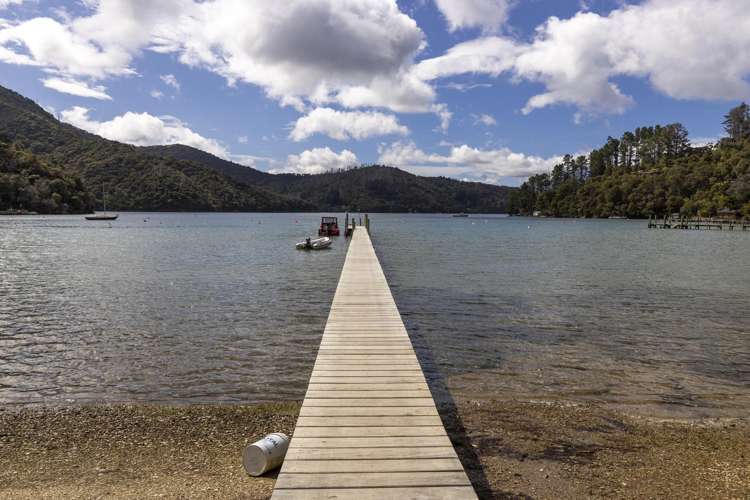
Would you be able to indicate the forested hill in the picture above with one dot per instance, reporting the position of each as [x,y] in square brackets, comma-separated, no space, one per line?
[374,188]
[134,178]
[183,178]
[30,184]
[650,171]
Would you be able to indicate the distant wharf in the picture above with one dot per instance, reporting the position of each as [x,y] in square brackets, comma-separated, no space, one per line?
[368,427]
[698,223]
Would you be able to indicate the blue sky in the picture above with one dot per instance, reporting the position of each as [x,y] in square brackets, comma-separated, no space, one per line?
[490,90]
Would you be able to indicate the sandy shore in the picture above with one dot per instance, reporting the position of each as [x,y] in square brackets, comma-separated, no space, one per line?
[510,449]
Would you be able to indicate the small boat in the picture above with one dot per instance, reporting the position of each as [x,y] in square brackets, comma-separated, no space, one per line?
[104,215]
[316,244]
[461,215]
[329,226]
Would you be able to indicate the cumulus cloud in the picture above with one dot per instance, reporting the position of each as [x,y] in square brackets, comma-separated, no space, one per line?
[317,161]
[170,80]
[489,15]
[705,54]
[77,87]
[45,42]
[7,3]
[307,50]
[352,52]
[485,119]
[142,129]
[345,125]
[445,115]
[486,165]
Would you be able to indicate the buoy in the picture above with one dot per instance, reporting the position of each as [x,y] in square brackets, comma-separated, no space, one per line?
[266,454]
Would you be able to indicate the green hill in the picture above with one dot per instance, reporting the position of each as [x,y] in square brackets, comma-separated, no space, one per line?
[183,178]
[30,184]
[134,178]
[650,171]
[372,188]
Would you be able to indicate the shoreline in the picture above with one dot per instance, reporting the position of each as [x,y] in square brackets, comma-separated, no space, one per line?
[510,449]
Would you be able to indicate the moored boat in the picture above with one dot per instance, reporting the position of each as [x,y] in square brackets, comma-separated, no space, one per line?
[103,215]
[329,226]
[316,244]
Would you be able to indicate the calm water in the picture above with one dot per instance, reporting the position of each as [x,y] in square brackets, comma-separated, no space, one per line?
[204,308]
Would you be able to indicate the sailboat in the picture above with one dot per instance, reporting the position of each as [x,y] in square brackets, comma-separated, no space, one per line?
[103,215]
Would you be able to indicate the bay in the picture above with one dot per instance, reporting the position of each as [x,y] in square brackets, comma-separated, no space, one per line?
[220,308]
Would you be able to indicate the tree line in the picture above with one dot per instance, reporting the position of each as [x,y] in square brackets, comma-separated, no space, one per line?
[650,171]
[28,183]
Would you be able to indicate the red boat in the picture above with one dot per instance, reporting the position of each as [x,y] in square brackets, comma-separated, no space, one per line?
[329,226]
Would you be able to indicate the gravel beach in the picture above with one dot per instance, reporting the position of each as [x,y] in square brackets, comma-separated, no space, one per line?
[510,449]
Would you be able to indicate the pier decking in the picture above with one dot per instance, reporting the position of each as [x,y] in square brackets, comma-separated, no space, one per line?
[368,428]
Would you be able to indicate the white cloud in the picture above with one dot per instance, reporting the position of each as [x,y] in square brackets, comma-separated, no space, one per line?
[687,49]
[157,94]
[465,87]
[485,119]
[466,162]
[242,139]
[170,80]
[345,125]
[699,142]
[7,3]
[490,15]
[348,51]
[143,129]
[352,52]
[489,55]
[445,116]
[317,161]
[77,87]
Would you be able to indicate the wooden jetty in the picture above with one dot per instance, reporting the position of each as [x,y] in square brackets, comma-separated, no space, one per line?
[698,223]
[369,428]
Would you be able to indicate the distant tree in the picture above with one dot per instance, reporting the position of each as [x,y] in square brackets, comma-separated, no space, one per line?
[737,122]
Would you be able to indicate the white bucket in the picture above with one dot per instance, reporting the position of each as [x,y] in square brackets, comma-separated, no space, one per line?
[266,454]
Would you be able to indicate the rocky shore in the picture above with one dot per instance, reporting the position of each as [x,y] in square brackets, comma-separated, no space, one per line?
[511,449]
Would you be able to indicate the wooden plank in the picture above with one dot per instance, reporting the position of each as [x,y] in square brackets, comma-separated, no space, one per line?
[324,372]
[374,431]
[316,394]
[367,411]
[407,493]
[369,453]
[369,386]
[375,479]
[374,465]
[367,421]
[412,379]
[370,442]
[370,402]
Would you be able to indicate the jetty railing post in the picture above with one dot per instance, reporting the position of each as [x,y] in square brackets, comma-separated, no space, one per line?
[367,223]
